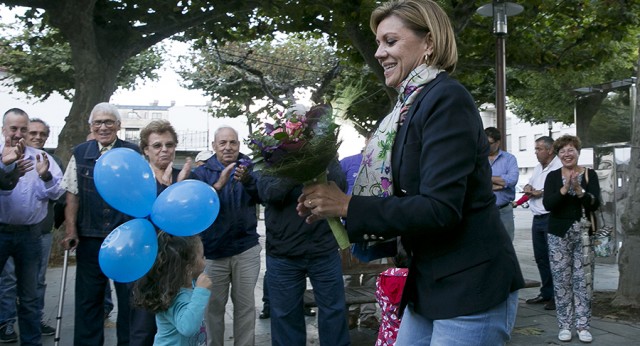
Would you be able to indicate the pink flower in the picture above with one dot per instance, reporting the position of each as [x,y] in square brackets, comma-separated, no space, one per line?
[277,130]
[294,128]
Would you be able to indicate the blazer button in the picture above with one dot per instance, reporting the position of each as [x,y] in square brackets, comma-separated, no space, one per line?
[365,237]
[373,236]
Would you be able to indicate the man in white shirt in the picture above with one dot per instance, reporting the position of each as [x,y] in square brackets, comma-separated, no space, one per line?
[548,161]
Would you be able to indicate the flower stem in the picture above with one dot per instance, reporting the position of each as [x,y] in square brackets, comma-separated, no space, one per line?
[339,232]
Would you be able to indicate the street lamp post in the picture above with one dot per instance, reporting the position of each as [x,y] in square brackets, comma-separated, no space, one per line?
[550,127]
[499,10]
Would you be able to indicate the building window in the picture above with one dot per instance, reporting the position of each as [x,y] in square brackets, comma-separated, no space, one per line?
[132,135]
[522,143]
[156,115]
[133,115]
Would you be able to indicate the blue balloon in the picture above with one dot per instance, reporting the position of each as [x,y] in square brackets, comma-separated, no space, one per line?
[186,208]
[125,180]
[129,251]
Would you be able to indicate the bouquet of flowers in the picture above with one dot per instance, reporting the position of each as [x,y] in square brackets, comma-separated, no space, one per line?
[300,145]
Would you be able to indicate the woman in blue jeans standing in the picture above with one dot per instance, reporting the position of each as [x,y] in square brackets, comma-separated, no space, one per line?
[432,188]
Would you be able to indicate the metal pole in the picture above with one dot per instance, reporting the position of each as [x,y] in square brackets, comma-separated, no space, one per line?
[501,91]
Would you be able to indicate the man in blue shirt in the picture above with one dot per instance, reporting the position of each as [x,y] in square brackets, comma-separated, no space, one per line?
[21,211]
[504,168]
[38,132]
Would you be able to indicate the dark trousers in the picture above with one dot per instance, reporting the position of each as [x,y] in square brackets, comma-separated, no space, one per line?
[539,236]
[265,293]
[287,283]
[89,299]
[22,243]
[143,327]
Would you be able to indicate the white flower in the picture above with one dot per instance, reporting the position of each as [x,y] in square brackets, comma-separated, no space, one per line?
[298,109]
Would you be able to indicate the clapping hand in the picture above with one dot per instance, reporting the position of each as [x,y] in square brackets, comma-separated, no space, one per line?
[186,170]
[42,164]
[11,153]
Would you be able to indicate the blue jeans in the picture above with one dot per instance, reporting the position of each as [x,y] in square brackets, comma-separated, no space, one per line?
[491,327]
[287,283]
[8,292]
[23,244]
[539,228]
[506,216]
[89,298]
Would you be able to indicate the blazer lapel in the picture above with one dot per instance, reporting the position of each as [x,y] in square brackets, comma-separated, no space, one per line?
[401,136]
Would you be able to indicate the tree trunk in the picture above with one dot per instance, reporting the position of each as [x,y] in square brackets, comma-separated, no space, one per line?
[628,293]
[97,60]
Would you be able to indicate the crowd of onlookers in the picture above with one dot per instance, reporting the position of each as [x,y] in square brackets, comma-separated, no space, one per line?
[431,181]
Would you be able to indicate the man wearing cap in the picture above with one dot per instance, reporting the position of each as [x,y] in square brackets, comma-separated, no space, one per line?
[202,157]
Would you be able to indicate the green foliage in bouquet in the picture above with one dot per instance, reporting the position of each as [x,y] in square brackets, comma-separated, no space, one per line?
[298,145]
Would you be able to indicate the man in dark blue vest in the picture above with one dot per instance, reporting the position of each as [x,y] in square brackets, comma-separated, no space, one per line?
[89,220]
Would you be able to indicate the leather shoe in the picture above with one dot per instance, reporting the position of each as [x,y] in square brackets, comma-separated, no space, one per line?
[370,322]
[537,300]
[264,314]
[551,305]
[309,312]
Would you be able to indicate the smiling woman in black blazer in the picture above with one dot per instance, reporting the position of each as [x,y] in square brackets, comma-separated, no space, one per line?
[433,189]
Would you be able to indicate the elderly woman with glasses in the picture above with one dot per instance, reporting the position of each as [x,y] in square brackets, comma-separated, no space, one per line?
[570,193]
[158,142]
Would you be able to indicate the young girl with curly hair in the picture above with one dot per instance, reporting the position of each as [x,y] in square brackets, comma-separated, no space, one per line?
[168,290]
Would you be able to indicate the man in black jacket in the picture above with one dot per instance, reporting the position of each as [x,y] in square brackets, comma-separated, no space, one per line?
[295,250]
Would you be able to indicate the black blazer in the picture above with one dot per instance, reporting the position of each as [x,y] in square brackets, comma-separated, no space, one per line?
[463,261]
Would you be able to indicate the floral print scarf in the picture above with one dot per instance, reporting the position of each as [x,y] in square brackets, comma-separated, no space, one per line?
[374,176]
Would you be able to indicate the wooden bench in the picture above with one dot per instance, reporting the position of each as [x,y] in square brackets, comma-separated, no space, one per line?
[352,266]
[364,295]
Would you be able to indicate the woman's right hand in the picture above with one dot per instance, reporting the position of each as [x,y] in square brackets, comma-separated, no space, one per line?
[204,281]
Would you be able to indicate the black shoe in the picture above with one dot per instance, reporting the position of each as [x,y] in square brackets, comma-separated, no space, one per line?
[264,314]
[370,322]
[537,300]
[46,329]
[352,320]
[7,334]
[551,305]
[309,312]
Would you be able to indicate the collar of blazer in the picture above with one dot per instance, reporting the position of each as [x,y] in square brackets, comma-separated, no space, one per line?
[401,136]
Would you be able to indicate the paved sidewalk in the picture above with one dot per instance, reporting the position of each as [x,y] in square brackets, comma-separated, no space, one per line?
[534,325]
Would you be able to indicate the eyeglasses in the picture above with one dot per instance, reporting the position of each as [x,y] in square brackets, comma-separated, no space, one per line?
[108,123]
[158,146]
[42,134]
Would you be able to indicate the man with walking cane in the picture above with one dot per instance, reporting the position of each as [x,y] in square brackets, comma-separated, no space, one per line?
[89,220]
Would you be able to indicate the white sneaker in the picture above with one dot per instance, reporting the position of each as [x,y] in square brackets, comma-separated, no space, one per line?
[564,335]
[585,336]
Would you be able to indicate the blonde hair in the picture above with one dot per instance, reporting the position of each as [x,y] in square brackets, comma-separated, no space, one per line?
[422,17]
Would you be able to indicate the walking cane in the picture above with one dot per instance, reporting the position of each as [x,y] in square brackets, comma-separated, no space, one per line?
[63,284]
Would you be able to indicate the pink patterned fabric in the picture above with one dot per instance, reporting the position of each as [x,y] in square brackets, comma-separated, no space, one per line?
[388,294]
